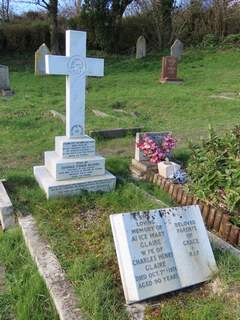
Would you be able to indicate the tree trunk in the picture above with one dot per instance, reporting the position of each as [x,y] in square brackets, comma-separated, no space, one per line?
[53,17]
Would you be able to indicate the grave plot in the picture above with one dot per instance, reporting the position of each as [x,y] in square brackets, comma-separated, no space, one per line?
[210,183]
[91,263]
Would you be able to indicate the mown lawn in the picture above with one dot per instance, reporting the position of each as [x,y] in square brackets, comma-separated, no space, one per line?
[78,228]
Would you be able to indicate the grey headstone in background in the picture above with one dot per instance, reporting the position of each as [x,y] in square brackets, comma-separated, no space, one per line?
[141,47]
[4,78]
[40,60]
[161,250]
[177,49]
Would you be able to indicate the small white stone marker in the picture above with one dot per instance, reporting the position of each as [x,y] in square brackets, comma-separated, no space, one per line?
[167,168]
[6,209]
[74,165]
[161,250]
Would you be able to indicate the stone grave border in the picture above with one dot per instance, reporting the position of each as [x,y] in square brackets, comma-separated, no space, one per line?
[115,132]
[215,219]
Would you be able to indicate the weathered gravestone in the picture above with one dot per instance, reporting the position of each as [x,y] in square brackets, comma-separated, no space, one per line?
[74,165]
[141,47]
[141,164]
[169,70]
[40,67]
[4,81]
[6,209]
[161,250]
[177,49]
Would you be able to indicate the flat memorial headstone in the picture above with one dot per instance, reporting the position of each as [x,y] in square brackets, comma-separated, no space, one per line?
[161,250]
[169,70]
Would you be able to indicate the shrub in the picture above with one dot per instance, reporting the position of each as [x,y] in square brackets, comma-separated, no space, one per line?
[214,169]
[209,41]
[232,39]
[23,36]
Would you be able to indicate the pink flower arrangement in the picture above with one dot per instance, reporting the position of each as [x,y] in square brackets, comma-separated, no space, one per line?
[155,152]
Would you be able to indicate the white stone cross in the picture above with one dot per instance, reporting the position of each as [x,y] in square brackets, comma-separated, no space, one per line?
[76,66]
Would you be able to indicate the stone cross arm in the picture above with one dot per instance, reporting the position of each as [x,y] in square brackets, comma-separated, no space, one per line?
[75,65]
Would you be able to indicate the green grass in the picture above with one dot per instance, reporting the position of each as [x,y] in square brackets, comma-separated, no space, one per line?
[25,296]
[78,228]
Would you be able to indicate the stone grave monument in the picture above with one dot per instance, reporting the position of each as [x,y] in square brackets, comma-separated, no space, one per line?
[74,165]
[141,47]
[6,209]
[169,70]
[140,164]
[5,88]
[40,67]
[177,49]
[162,250]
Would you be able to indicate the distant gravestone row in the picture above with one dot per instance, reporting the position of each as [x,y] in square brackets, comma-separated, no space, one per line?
[170,63]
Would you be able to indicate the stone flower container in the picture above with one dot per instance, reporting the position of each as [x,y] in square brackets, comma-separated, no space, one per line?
[167,168]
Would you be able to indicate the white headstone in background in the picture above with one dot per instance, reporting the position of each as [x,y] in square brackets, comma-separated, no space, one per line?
[177,49]
[40,66]
[74,165]
[141,47]
[161,251]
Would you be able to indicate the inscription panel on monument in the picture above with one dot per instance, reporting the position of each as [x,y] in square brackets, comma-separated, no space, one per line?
[74,148]
[81,168]
[161,250]
[105,185]
[78,148]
